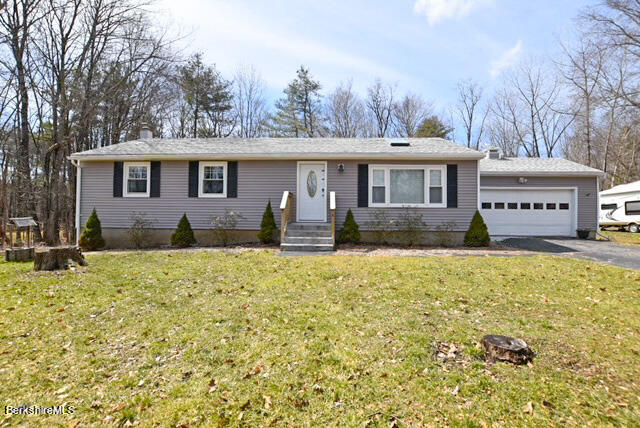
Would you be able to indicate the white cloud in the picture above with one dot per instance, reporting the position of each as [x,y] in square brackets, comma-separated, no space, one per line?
[506,60]
[438,10]
[231,34]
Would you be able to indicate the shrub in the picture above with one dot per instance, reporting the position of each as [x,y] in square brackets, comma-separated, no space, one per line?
[91,238]
[350,230]
[183,236]
[412,227]
[139,232]
[478,234]
[223,224]
[268,226]
[381,225]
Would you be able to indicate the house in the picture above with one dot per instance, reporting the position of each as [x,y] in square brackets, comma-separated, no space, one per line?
[315,181]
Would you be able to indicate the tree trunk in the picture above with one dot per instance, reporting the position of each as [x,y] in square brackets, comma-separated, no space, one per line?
[57,258]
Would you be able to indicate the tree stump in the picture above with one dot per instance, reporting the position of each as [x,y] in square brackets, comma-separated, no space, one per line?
[57,258]
[504,348]
[19,254]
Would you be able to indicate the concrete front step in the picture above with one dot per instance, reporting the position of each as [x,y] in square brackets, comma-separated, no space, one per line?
[308,237]
[306,247]
[308,240]
[309,226]
[308,233]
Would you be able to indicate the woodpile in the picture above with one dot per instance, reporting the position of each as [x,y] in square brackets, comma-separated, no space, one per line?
[19,254]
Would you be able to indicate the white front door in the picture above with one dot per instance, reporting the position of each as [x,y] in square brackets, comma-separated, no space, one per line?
[530,212]
[312,202]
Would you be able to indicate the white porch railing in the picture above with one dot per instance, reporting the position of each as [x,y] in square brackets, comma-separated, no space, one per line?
[332,208]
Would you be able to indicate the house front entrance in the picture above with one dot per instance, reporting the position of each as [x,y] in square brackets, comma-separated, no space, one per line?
[312,191]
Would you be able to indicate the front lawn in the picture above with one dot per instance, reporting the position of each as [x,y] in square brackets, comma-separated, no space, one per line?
[626,238]
[204,338]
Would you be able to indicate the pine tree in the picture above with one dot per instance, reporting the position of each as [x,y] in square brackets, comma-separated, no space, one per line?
[478,234]
[209,97]
[268,225]
[91,238]
[183,236]
[298,113]
[350,229]
[433,127]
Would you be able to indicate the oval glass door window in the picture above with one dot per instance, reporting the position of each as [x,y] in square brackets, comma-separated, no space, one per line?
[312,183]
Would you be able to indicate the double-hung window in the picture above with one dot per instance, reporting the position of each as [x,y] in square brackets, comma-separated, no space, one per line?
[136,179]
[213,180]
[407,185]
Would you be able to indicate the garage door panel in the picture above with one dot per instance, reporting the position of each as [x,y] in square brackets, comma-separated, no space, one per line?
[556,218]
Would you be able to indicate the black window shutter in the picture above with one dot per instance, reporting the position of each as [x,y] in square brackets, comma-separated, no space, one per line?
[363,185]
[118,171]
[155,180]
[232,177]
[193,179]
[452,186]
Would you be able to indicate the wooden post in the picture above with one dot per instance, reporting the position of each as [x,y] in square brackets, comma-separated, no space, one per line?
[285,213]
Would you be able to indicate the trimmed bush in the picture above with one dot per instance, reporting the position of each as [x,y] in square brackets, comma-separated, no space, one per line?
[350,230]
[91,238]
[183,236]
[478,234]
[268,226]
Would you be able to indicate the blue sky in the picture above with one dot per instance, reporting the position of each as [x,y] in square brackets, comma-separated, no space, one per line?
[425,46]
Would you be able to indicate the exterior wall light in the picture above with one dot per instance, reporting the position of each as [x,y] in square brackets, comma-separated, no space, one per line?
[340,168]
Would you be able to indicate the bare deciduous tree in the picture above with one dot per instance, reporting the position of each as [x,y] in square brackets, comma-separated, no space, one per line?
[380,99]
[471,112]
[409,113]
[17,21]
[345,112]
[249,102]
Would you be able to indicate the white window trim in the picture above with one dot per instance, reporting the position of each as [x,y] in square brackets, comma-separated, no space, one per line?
[427,178]
[125,191]
[201,179]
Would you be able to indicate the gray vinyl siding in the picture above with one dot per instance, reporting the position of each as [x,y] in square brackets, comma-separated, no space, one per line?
[258,181]
[345,185]
[587,193]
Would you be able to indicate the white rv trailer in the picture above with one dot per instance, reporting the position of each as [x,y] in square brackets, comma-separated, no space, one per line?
[620,207]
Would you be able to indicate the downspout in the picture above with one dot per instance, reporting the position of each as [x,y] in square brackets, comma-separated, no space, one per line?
[76,163]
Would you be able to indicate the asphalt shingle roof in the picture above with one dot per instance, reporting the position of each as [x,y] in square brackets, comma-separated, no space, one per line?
[542,166]
[328,148]
[293,148]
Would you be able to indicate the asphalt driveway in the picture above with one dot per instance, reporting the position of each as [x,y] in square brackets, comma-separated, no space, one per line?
[597,251]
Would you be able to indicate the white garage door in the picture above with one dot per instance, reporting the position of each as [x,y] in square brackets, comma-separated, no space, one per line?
[528,212]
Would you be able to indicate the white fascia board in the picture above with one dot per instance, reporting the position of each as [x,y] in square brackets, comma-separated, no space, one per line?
[542,173]
[283,156]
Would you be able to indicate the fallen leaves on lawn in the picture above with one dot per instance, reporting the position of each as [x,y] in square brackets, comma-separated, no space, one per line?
[528,408]
[213,385]
[254,371]
[267,402]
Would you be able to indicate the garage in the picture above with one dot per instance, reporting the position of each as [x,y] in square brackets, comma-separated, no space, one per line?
[529,212]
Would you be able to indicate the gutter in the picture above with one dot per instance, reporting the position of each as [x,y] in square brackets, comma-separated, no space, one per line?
[281,156]
[542,173]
